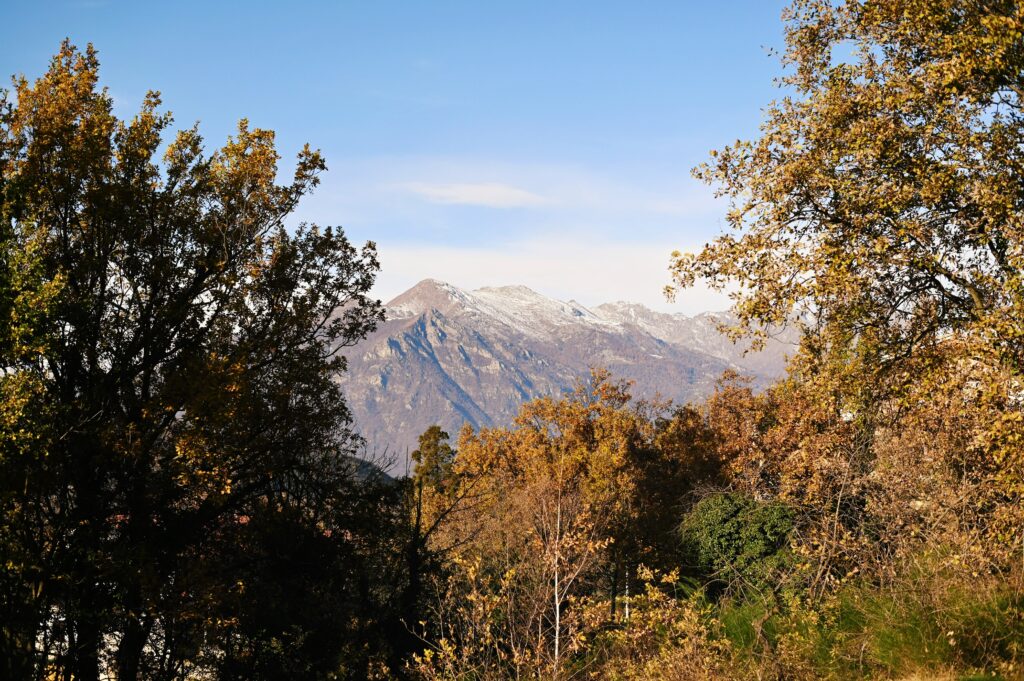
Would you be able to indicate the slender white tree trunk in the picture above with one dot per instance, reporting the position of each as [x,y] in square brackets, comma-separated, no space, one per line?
[558,596]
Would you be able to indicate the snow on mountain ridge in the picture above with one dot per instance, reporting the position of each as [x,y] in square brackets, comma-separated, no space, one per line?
[517,306]
[532,312]
[661,325]
[524,311]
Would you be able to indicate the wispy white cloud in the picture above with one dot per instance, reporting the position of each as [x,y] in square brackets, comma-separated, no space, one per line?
[425,193]
[490,194]
[593,234]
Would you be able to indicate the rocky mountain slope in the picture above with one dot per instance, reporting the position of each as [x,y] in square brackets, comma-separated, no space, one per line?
[449,356]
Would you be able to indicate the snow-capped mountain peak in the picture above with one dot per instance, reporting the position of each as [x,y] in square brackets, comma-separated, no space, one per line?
[427,295]
[517,306]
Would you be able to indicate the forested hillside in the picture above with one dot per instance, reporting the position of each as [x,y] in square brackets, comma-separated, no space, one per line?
[181,494]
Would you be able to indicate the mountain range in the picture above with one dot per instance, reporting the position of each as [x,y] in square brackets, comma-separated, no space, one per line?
[450,356]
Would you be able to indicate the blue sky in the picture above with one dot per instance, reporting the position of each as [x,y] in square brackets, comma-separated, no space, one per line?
[483,143]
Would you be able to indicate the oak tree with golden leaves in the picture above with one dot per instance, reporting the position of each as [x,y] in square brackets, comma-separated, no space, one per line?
[882,208]
[883,198]
[168,409]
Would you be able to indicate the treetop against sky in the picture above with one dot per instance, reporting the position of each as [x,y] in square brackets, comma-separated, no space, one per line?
[483,143]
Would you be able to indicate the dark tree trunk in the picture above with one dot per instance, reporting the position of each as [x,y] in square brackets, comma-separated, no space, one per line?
[129,651]
[85,662]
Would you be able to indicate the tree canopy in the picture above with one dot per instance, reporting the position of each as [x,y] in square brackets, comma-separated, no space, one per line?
[169,347]
[883,197]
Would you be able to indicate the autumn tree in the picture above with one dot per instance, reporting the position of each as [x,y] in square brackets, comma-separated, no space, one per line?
[881,209]
[883,197]
[555,497]
[169,350]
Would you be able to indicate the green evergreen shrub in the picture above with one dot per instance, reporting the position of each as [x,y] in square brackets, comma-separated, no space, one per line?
[737,540]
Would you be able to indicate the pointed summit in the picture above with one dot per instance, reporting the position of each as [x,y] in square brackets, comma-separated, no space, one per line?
[429,294]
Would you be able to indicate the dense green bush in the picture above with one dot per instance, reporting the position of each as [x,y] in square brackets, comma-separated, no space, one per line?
[736,540]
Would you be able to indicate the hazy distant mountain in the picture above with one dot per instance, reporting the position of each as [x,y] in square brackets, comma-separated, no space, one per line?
[449,356]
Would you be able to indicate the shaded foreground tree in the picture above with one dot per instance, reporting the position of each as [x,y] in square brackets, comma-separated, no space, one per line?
[176,488]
